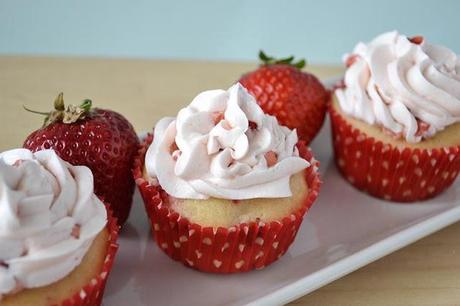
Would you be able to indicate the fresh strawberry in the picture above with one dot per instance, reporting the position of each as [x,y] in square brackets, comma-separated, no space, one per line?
[282,89]
[101,139]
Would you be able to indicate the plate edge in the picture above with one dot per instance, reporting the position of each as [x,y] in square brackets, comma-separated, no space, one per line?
[353,262]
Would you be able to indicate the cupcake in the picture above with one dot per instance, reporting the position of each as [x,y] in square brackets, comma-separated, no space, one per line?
[224,185]
[57,240]
[395,118]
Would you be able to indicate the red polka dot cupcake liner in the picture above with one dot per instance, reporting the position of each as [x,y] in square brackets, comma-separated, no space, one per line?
[239,248]
[387,172]
[92,293]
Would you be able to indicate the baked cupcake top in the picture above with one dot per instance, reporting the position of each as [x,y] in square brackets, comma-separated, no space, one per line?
[409,87]
[49,217]
[223,145]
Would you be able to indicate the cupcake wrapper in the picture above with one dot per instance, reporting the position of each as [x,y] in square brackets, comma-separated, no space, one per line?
[92,293]
[387,172]
[240,248]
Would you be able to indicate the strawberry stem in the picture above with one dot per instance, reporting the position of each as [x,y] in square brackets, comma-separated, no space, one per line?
[35,112]
[269,60]
[61,113]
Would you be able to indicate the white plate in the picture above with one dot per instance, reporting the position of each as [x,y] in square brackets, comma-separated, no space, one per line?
[344,230]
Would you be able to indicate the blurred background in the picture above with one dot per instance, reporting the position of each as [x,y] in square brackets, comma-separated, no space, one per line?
[234,30]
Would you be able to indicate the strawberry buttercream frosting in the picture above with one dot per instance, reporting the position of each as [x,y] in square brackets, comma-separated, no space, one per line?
[408,86]
[223,145]
[49,217]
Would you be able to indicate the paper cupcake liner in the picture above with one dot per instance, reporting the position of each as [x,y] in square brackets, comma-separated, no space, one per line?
[92,293]
[384,171]
[239,248]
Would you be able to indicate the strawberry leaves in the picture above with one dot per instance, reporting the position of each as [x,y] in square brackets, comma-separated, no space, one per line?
[61,113]
[269,60]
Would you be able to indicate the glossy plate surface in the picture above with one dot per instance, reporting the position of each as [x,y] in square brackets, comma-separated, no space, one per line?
[344,230]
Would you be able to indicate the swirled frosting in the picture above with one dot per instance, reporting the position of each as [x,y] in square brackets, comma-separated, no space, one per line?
[49,217]
[223,145]
[408,86]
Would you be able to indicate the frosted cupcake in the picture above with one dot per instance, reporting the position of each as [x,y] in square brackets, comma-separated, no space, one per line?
[57,241]
[225,186]
[395,118]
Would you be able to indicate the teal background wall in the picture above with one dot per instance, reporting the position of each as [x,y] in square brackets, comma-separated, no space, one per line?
[321,31]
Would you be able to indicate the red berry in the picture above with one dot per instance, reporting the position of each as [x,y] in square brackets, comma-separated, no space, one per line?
[105,142]
[296,98]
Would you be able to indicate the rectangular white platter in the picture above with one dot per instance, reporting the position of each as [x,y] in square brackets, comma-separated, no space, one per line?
[344,230]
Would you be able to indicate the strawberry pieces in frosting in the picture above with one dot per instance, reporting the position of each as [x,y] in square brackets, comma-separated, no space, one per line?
[351,59]
[422,127]
[416,39]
